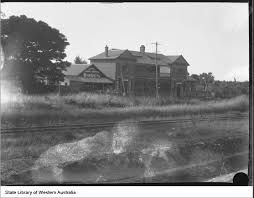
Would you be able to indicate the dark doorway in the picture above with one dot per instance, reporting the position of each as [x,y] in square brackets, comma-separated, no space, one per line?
[126,87]
[178,91]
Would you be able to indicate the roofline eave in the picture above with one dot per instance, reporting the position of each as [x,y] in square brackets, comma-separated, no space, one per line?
[106,58]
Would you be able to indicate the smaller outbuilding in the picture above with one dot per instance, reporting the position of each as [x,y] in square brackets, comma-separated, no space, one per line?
[86,77]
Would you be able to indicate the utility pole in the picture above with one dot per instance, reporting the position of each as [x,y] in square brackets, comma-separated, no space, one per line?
[124,93]
[59,88]
[156,66]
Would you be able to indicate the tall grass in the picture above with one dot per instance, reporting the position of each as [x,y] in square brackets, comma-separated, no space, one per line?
[84,107]
[106,100]
[87,100]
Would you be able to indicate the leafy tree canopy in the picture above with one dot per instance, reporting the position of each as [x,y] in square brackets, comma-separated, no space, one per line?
[206,79]
[33,51]
[79,60]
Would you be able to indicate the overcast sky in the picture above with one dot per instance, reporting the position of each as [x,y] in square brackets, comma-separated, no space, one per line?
[213,37]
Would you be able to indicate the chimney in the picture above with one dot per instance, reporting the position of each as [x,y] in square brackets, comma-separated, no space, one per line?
[106,51]
[142,49]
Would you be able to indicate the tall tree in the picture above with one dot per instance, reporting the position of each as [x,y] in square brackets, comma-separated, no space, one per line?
[79,60]
[33,50]
[206,79]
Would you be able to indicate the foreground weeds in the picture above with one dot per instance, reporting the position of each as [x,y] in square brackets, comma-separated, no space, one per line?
[57,109]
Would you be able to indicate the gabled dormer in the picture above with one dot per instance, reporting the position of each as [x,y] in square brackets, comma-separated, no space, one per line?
[92,72]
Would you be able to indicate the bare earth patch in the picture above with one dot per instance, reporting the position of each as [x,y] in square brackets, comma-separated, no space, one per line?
[191,144]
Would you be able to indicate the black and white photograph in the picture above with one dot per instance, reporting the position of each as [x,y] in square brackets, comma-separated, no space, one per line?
[125,93]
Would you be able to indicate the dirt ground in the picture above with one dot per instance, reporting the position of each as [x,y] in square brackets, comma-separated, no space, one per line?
[203,141]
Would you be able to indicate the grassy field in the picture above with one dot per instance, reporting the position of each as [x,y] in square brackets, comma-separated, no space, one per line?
[19,152]
[21,110]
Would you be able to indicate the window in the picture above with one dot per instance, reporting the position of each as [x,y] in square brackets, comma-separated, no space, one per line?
[151,69]
[165,70]
[125,69]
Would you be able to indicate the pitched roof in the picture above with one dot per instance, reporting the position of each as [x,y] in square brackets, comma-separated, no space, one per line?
[178,59]
[107,70]
[142,58]
[112,54]
[76,69]
[75,73]
[149,58]
[173,58]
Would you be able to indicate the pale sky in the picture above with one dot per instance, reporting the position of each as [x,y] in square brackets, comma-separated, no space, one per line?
[213,37]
